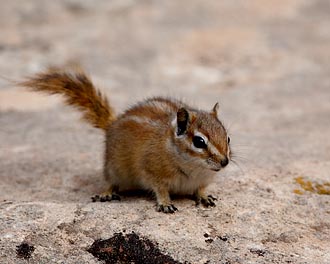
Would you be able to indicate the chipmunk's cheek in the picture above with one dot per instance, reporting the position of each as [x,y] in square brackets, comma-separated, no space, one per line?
[213,165]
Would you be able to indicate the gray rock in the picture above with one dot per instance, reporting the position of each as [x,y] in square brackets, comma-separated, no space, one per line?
[266,62]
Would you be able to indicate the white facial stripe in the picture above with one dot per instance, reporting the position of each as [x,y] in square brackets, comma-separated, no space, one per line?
[199,150]
[199,134]
[211,147]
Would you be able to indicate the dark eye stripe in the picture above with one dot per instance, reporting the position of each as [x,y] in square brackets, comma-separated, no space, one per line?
[228,140]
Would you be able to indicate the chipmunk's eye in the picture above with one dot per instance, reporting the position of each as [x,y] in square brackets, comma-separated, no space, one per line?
[228,140]
[199,142]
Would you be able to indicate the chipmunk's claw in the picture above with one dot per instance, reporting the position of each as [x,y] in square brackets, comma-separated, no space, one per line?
[105,198]
[208,201]
[115,197]
[95,198]
[167,209]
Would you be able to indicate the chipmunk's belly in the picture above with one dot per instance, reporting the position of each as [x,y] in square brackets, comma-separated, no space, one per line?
[189,182]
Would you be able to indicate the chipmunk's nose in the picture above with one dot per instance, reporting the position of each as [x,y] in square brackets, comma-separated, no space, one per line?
[224,162]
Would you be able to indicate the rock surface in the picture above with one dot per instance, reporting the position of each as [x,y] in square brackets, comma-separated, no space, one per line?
[267,62]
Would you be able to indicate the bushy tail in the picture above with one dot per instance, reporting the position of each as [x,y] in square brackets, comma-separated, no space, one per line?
[78,91]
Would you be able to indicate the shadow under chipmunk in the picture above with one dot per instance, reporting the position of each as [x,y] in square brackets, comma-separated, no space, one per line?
[133,194]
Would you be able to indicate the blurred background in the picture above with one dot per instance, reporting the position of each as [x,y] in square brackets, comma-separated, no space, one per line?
[197,50]
[266,61]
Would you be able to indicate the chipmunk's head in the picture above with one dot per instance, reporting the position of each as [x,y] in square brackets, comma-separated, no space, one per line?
[202,138]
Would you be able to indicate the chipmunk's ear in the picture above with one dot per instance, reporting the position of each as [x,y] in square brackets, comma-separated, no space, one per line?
[182,121]
[215,109]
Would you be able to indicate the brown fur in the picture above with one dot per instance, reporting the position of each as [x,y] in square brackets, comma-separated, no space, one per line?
[78,91]
[150,146]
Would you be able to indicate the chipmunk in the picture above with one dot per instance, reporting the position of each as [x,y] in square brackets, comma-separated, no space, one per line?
[160,144]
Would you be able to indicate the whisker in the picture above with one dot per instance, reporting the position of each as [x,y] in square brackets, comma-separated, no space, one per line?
[240,152]
[234,144]
[239,155]
[243,160]
[238,166]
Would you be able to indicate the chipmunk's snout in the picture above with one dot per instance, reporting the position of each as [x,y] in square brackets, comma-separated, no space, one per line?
[218,164]
[224,162]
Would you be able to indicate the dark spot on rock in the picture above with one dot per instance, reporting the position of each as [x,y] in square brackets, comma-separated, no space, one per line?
[259,252]
[210,240]
[269,190]
[223,238]
[129,248]
[24,250]
[206,235]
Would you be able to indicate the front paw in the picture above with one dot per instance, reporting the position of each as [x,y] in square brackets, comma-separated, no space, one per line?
[167,209]
[207,201]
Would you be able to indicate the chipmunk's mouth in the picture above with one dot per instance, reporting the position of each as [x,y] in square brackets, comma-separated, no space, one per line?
[217,166]
[214,166]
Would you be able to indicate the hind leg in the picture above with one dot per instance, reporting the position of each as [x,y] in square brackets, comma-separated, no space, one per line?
[111,193]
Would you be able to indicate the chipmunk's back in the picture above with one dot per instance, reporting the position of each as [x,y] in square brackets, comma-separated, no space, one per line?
[138,137]
[157,110]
